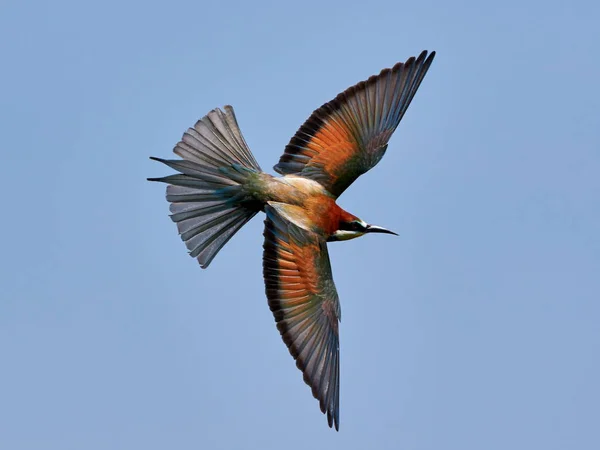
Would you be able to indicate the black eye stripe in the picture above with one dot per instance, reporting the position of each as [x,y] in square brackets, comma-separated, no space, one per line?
[351,226]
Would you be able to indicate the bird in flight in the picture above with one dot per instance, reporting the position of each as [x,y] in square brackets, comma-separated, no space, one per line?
[219,187]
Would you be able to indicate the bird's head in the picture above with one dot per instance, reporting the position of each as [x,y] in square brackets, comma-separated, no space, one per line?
[352,227]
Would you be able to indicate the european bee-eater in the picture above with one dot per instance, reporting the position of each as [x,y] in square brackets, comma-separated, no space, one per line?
[220,187]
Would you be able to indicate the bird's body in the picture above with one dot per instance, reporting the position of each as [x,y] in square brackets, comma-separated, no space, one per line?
[220,187]
[305,202]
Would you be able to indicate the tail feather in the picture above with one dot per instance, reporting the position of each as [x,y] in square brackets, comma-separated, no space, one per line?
[194,210]
[180,194]
[207,198]
[206,182]
[205,241]
[195,171]
[216,141]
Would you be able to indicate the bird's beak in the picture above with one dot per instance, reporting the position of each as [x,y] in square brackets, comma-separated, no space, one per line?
[376,229]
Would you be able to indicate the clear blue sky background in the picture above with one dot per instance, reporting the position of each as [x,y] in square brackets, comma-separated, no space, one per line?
[477,328]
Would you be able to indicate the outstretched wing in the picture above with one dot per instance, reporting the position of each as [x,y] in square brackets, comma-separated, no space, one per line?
[348,136]
[305,305]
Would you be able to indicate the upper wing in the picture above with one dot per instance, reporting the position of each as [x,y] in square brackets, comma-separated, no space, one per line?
[305,305]
[348,136]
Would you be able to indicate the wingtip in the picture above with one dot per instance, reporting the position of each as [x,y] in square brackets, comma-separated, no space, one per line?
[425,57]
[333,420]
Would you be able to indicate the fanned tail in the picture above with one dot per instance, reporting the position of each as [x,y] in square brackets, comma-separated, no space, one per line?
[207,198]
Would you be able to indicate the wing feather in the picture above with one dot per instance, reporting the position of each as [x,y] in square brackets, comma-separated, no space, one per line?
[348,136]
[305,305]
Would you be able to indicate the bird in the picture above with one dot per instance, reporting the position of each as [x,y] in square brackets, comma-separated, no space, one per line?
[219,186]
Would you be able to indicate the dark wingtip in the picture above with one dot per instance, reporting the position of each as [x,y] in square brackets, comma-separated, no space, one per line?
[333,420]
[425,57]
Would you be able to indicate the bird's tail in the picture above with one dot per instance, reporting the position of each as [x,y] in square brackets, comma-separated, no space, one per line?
[207,196]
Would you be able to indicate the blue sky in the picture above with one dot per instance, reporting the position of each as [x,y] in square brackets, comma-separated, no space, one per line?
[476,328]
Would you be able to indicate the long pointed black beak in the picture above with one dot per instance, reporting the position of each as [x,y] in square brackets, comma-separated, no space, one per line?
[376,229]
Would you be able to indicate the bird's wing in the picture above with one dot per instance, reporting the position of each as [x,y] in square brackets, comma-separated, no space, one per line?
[347,136]
[305,305]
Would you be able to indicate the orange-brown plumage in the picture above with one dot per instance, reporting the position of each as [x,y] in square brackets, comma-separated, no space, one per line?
[325,213]
[333,147]
[220,186]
